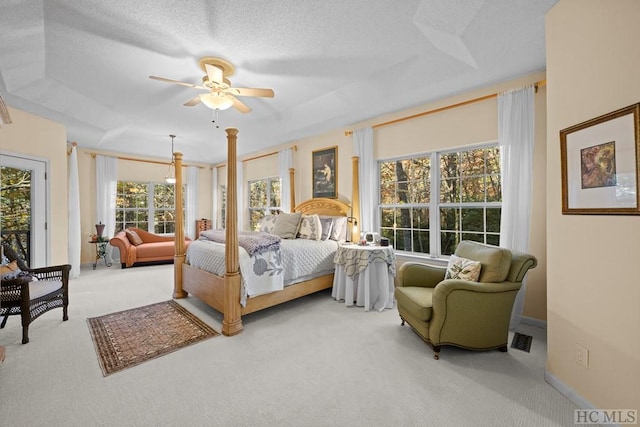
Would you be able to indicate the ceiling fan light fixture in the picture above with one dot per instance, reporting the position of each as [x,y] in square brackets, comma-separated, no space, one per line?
[216,101]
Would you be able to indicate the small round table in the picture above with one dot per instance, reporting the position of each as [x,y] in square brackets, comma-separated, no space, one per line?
[101,252]
[364,276]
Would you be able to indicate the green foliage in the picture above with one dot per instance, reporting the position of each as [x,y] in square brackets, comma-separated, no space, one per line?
[15,198]
[15,208]
[264,199]
[134,201]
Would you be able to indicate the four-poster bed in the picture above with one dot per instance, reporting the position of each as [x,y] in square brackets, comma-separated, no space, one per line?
[223,293]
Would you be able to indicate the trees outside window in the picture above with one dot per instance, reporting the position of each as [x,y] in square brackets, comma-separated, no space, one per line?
[430,210]
[149,206]
[264,199]
[15,218]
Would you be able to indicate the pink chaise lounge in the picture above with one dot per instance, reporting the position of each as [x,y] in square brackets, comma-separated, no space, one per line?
[139,247]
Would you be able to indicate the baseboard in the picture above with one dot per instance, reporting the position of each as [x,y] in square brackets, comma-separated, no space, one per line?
[534,322]
[567,391]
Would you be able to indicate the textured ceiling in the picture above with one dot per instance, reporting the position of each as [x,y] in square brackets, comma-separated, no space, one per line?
[331,63]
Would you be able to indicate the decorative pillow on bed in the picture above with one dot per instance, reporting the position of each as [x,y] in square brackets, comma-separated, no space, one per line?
[267,224]
[133,237]
[327,226]
[286,225]
[339,229]
[463,269]
[310,227]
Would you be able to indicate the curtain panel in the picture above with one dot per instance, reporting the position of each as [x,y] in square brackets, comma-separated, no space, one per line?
[75,232]
[191,204]
[285,162]
[363,148]
[516,116]
[106,187]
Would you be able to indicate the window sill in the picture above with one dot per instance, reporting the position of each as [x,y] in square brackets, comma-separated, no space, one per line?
[425,258]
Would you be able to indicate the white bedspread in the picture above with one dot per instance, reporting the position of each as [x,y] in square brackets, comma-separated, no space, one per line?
[298,260]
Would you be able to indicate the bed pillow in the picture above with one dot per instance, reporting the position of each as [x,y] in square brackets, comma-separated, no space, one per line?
[326,226]
[339,228]
[286,225]
[267,224]
[133,237]
[463,269]
[310,227]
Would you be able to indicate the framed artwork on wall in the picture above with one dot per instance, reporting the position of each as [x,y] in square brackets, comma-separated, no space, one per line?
[325,172]
[600,168]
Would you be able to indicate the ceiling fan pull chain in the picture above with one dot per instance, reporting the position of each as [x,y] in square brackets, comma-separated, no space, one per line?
[215,118]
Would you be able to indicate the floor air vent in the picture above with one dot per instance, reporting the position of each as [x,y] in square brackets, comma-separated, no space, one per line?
[521,342]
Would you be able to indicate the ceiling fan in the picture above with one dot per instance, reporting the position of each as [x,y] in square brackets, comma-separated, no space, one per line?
[221,95]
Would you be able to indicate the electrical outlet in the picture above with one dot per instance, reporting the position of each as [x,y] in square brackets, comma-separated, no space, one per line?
[582,356]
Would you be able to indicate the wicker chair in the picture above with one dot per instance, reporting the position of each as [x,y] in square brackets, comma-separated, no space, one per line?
[30,298]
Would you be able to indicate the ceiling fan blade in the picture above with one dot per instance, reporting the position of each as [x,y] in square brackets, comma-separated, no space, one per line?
[239,105]
[215,74]
[193,102]
[162,79]
[247,91]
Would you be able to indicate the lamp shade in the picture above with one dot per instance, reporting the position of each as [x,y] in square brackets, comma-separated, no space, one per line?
[171,175]
[216,101]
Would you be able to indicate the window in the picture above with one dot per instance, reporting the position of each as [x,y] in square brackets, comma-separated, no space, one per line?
[264,199]
[145,205]
[430,210]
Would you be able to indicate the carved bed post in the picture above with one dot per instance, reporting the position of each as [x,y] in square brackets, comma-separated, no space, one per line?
[179,255]
[355,199]
[292,188]
[232,322]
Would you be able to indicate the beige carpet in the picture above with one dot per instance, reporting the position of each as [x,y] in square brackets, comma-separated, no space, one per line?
[307,363]
[130,337]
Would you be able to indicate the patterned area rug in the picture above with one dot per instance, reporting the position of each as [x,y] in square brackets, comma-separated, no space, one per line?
[128,338]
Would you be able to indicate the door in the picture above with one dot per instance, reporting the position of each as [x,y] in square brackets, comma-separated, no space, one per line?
[23,207]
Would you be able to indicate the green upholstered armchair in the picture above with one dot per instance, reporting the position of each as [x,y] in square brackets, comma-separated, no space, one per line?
[471,315]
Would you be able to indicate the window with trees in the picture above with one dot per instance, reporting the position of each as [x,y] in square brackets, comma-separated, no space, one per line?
[429,203]
[264,199]
[149,206]
[15,209]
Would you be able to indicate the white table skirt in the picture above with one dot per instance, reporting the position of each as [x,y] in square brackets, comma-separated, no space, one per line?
[372,288]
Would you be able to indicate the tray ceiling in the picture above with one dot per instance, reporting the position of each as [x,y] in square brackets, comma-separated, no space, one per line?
[331,63]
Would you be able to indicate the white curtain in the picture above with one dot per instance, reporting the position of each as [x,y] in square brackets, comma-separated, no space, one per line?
[240,192]
[106,187]
[75,233]
[285,162]
[515,136]
[214,198]
[363,148]
[192,201]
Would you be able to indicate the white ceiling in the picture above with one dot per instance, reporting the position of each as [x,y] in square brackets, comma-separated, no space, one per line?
[331,63]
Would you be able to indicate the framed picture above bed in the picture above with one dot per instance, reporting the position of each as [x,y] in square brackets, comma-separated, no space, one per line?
[325,173]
